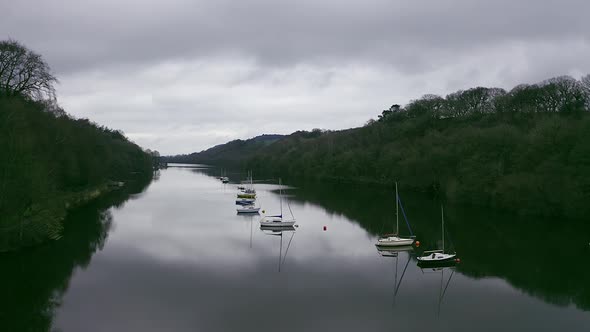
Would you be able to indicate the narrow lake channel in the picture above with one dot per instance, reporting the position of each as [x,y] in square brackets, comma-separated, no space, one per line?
[175,256]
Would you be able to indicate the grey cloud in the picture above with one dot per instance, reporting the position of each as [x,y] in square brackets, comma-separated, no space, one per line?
[77,35]
[182,75]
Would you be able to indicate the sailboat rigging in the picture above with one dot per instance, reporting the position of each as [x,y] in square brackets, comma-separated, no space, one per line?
[278,220]
[438,257]
[394,240]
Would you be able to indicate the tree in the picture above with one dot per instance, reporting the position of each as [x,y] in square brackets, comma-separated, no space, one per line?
[23,72]
[561,94]
[585,82]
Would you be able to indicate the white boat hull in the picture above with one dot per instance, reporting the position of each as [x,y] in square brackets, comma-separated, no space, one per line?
[252,210]
[394,241]
[436,257]
[276,222]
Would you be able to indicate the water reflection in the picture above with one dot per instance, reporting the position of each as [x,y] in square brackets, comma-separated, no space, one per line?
[394,254]
[180,259]
[33,281]
[444,281]
[492,243]
[280,231]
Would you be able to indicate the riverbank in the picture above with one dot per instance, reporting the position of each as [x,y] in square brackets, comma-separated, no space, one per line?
[52,162]
[40,223]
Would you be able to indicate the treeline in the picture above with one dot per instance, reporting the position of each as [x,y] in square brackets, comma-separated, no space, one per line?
[525,150]
[50,161]
[228,153]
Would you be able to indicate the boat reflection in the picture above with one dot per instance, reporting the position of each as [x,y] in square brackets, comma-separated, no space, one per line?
[280,231]
[394,252]
[441,269]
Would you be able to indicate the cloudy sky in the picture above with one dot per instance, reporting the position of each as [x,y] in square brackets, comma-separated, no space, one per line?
[183,75]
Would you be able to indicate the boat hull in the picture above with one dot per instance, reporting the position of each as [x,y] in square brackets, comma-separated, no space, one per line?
[436,259]
[244,211]
[393,241]
[276,223]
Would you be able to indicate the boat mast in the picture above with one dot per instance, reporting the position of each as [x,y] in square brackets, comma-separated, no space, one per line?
[396,211]
[281,196]
[442,216]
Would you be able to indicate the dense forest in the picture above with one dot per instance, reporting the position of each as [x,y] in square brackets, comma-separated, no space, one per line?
[525,150]
[50,161]
[228,153]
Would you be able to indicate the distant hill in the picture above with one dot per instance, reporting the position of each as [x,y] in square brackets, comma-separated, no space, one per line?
[525,150]
[227,153]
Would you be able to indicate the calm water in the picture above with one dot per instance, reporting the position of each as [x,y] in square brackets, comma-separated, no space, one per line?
[176,257]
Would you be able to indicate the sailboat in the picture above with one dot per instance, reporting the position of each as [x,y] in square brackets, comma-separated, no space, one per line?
[394,240]
[248,209]
[248,192]
[278,220]
[223,178]
[438,257]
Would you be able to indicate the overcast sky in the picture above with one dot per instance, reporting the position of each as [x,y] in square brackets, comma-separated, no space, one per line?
[182,75]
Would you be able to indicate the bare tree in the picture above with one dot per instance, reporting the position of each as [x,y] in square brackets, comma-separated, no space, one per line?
[585,81]
[23,72]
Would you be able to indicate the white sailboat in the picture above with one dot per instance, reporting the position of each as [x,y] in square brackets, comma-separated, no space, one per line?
[438,257]
[394,240]
[278,220]
[248,209]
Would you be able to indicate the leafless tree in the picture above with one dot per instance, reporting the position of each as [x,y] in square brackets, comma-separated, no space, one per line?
[23,72]
[585,81]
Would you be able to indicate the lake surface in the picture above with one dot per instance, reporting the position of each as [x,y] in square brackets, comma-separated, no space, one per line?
[175,256]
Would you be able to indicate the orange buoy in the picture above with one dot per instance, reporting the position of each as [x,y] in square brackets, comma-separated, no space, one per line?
[457,260]
[417,243]
[325,228]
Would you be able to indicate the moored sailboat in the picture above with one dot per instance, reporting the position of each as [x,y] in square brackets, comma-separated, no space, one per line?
[248,209]
[278,220]
[394,240]
[438,257]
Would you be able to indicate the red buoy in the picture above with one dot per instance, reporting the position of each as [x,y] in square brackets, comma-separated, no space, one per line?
[417,243]
[457,260]
[325,227]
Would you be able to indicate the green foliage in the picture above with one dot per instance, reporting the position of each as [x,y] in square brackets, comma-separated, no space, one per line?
[229,153]
[48,161]
[526,150]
